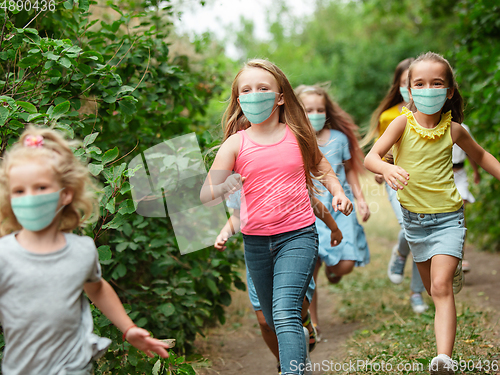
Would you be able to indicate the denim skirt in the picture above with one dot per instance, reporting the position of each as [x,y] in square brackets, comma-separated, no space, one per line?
[434,234]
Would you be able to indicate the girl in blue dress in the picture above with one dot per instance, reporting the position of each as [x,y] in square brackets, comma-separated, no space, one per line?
[338,141]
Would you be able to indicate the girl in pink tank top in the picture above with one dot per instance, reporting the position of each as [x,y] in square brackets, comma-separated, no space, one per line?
[272,149]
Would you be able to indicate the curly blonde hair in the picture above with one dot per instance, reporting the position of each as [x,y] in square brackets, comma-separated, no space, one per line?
[71,175]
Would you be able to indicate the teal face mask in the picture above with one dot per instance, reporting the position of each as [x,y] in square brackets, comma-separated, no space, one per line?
[258,106]
[317,120]
[429,101]
[404,94]
[36,212]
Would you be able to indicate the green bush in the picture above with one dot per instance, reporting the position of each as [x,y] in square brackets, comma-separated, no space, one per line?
[121,93]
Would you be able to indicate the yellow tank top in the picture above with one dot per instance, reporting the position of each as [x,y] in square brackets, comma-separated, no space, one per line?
[386,118]
[426,155]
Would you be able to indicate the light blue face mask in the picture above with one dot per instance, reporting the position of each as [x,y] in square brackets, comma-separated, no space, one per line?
[317,120]
[258,106]
[429,101]
[404,93]
[36,212]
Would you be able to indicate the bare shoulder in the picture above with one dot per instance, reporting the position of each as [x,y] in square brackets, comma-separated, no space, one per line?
[228,151]
[231,145]
[457,131]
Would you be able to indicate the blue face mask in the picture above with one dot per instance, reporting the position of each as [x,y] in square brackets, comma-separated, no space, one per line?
[317,120]
[429,101]
[36,212]
[258,106]
[404,94]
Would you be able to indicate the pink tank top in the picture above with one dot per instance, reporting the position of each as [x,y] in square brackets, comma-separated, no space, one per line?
[274,196]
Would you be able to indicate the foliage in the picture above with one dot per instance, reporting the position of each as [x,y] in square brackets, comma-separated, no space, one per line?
[354,46]
[477,67]
[110,80]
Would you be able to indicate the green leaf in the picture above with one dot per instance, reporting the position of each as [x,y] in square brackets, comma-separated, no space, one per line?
[212,286]
[28,107]
[30,61]
[127,207]
[84,5]
[4,115]
[110,155]
[64,61]
[68,4]
[35,116]
[95,169]
[156,367]
[59,110]
[166,309]
[89,139]
[104,252]
[127,107]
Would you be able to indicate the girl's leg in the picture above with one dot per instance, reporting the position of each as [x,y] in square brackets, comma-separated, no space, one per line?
[416,285]
[295,255]
[342,268]
[268,334]
[313,308]
[441,271]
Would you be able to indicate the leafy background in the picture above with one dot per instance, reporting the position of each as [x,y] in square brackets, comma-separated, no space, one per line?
[120,79]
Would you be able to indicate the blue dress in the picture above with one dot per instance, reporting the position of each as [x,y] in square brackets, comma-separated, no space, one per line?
[353,245]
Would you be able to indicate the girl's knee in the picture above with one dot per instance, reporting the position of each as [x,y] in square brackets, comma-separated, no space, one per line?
[441,287]
[262,321]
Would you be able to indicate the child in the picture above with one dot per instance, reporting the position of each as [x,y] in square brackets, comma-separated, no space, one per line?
[337,138]
[460,176]
[274,153]
[390,108]
[232,227]
[44,268]
[422,175]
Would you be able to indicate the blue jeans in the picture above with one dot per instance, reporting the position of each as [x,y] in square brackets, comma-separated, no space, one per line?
[416,285]
[281,267]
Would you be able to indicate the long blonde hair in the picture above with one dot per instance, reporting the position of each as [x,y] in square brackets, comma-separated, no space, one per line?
[71,174]
[291,113]
[338,119]
[392,98]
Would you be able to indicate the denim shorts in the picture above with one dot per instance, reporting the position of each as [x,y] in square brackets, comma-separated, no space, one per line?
[434,234]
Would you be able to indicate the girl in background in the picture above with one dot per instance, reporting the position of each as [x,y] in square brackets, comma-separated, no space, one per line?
[44,268]
[390,108]
[338,140]
[422,175]
[273,150]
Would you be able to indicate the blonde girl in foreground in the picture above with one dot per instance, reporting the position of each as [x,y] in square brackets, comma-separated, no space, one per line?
[44,268]
[337,136]
[272,148]
[422,174]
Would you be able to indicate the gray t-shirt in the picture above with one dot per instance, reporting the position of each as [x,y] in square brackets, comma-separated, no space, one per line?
[45,317]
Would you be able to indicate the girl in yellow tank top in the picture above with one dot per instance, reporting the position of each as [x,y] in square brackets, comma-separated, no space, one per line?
[423,176]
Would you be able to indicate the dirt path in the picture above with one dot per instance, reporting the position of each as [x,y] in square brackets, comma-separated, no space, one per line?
[238,348]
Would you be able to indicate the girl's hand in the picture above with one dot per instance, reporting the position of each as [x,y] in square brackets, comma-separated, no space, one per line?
[396,177]
[342,203]
[233,183]
[364,210]
[141,339]
[221,240]
[336,237]
[379,178]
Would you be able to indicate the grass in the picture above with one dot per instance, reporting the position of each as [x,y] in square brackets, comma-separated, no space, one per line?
[393,339]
